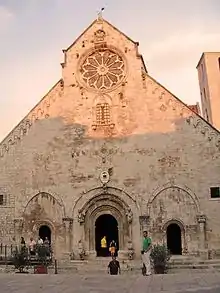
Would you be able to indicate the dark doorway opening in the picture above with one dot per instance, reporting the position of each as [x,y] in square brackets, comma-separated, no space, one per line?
[44,232]
[174,242]
[106,225]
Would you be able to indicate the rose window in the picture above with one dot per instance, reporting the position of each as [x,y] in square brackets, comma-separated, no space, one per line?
[103,70]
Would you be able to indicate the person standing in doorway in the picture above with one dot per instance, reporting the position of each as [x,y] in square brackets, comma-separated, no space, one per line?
[40,241]
[114,267]
[22,241]
[47,245]
[46,241]
[104,245]
[112,248]
[146,249]
[23,245]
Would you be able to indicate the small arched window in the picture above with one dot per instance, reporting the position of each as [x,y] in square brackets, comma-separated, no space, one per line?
[207,115]
[103,114]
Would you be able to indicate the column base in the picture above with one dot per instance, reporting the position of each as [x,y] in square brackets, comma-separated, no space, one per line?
[204,254]
[91,254]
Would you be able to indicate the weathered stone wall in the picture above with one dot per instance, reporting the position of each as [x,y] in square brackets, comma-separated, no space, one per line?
[6,212]
[162,158]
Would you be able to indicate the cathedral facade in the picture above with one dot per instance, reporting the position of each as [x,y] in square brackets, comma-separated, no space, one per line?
[110,152]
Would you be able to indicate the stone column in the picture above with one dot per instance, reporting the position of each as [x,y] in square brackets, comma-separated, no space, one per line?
[81,242]
[18,226]
[81,221]
[129,216]
[202,235]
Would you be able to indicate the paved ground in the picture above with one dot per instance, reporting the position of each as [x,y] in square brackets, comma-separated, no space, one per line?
[72,283]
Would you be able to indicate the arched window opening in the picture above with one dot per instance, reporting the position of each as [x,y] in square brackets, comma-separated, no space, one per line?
[103,114]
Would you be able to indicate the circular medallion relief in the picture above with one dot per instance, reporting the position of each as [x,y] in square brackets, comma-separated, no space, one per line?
[104,177]
[102,70]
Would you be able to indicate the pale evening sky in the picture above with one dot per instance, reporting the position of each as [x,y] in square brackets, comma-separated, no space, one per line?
[172,36]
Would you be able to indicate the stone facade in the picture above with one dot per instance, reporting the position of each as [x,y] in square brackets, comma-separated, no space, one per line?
[109,139]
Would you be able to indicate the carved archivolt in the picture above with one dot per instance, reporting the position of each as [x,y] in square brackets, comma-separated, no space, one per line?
[173,221]
[105,204]
[104,200]
[43,208]
[45,194]
[171,203]
[175,189]
[115,194]
[41,111]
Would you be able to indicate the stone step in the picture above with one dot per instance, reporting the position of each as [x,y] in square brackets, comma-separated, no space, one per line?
[175,264]
[194,261]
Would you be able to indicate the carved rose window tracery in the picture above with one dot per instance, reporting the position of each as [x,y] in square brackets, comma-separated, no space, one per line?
[103,70]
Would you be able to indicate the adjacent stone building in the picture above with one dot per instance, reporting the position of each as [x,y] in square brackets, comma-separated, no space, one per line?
[209,83]
[109,151]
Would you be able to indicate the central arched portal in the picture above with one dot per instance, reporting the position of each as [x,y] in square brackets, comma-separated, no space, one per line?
[106,225]
[174,239]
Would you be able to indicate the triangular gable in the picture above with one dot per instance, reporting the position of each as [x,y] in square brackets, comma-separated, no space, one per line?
[116,29]
[42,108]
[98,21]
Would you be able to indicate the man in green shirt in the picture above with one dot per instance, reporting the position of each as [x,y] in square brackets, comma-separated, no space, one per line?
[146,249]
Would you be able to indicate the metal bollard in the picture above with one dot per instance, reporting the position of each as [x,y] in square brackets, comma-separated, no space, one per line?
[55,265]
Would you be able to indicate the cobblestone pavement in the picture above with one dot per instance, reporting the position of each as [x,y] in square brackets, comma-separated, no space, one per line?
[72,283]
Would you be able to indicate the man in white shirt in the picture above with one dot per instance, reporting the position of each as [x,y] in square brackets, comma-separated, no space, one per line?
[32,246]
[40,241]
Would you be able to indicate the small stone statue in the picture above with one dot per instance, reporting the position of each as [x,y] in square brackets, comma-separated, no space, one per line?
[129,215]
[81,250]
[72,256]
[81,217]
[130,250]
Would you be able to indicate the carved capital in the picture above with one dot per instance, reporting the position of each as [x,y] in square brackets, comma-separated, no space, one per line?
[144,219]
[81,217]
[129,216]
[68,222]
[99,36]
[201,219]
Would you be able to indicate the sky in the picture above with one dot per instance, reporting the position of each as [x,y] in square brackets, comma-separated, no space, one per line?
[172,36]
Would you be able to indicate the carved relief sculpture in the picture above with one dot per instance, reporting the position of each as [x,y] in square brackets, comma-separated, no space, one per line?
[130,250]
[81,250]
[99,36]
[81,217]
[18,222]
[104,177]
[129,215]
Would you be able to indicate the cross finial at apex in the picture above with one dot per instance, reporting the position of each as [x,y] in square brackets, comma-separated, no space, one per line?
[99,14]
